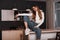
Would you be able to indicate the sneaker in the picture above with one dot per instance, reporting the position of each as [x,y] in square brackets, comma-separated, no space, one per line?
[27,31]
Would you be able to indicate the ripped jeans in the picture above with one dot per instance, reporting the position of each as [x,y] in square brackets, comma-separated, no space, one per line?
[31,25]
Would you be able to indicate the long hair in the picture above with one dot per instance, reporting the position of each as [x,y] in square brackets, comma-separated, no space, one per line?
[34,13]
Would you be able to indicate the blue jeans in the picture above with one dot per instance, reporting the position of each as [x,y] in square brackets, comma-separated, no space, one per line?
[31,25]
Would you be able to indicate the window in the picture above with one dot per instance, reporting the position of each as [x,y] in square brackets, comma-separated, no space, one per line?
[57,15]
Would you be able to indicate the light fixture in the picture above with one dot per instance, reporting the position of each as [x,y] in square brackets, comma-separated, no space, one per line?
[14,9]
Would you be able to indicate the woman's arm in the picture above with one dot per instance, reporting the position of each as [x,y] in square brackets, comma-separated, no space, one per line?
[42,20]
[24,14]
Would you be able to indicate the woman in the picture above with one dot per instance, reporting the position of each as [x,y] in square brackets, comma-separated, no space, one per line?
[35,21]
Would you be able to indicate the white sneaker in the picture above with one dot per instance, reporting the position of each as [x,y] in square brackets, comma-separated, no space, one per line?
[27,31]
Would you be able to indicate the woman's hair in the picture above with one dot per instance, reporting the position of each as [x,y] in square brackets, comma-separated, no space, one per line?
[34,13]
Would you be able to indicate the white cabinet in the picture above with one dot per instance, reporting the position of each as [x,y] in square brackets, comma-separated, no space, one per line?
[44,36]
[7,15]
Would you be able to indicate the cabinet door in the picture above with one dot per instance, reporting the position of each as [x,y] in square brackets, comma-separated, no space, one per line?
[7,15]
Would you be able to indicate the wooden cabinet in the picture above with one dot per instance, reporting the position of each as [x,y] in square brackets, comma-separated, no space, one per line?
[12,35]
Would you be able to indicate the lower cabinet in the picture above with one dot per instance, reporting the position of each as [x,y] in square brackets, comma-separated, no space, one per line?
[12,35]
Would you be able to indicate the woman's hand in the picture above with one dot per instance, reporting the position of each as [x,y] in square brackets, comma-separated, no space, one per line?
[15,16]
[35,26]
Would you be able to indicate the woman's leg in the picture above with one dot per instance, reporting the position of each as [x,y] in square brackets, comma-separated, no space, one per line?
[31,26]
[36,30]
[29,23]
[26,21]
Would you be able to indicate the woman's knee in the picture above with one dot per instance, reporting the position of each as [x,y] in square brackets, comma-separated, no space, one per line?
[37,29]
[26,19]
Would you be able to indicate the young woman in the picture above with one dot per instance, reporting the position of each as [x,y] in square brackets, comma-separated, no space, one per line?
[35,21]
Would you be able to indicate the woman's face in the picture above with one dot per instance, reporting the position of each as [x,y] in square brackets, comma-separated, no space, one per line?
[34,8]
